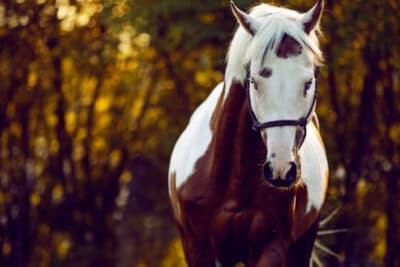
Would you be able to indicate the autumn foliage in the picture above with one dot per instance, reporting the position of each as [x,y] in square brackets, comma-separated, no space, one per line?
[93,95]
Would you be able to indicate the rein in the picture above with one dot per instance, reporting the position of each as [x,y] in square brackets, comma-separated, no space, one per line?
[301,122]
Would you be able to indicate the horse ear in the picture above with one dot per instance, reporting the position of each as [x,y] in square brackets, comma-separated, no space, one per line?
[311,18]
[250,24]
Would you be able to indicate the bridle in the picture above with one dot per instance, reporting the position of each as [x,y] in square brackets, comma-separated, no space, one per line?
[301,122]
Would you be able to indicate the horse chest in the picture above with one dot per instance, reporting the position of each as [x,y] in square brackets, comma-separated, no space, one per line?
[244,231]
[240,226]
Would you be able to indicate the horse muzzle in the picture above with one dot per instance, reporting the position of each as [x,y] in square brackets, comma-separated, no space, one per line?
[280,181]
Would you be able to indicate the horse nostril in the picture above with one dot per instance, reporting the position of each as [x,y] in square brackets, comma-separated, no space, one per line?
[268,171]
[292,173]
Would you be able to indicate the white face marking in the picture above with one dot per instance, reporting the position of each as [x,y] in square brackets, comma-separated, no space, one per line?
[281,97]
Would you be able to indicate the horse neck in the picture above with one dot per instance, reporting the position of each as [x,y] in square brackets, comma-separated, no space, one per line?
[238,151]
[237,154]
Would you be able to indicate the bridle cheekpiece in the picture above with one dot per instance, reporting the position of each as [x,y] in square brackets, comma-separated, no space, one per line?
[301,122]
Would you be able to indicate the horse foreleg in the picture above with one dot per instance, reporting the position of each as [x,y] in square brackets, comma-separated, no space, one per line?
[200,256]
[300,251]
[273,255]
[197,252]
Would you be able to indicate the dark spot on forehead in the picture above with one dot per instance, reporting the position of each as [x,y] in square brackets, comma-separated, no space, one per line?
[288,47]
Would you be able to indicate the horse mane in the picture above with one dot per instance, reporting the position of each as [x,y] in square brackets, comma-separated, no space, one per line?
[278,22]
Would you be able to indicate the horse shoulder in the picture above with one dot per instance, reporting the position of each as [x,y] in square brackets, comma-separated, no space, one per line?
[193,142]
[314,168]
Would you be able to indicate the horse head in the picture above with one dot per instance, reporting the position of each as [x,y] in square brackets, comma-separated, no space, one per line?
[280,63]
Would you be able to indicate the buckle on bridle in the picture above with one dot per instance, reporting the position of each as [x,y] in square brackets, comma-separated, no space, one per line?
[303,122]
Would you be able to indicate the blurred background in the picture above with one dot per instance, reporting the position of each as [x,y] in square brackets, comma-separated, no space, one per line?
[93,95]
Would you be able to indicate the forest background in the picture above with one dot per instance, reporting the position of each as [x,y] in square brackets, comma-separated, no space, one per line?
[93,95]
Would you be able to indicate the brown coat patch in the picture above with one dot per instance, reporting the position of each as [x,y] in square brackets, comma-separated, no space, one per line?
[303,220]
[288,47]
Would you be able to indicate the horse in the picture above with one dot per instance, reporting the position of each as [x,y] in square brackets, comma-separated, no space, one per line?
[248,175]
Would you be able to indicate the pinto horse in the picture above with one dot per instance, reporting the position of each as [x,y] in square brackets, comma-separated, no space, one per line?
[249,174]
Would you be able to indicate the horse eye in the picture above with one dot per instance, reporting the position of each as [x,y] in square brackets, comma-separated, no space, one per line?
[253,82]
[265,72]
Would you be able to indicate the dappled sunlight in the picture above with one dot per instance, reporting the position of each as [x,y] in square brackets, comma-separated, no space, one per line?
[71,16]
[94,94]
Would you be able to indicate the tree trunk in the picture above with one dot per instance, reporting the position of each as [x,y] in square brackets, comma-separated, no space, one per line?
[360,157]
[392,258]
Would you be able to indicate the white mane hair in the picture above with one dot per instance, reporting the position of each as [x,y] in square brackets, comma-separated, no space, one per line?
[276,22]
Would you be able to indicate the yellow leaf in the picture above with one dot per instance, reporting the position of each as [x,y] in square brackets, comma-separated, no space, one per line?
[70,121]
[99,144]
[115,158]
[78,152]
[142,40]
[32,79]
[394,132]
[207,18]
[362,188]
[82,133]
[379,250]
[82,19]
[15,129]
[35,199]
[202,78]
[51,120]
[63,247]
[125,177]
[103,104]
[57,193]
[6,248]
[54,146]
[104,120]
